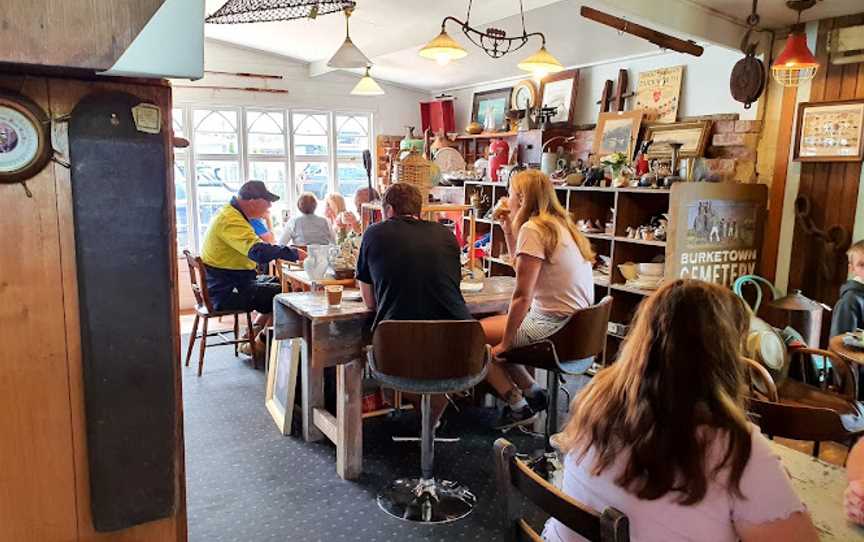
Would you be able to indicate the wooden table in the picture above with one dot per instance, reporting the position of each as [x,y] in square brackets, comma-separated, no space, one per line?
[335,337]
[820,486]
[295,280]
[853,356]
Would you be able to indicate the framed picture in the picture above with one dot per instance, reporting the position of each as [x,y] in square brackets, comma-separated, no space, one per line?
[658,92]
[617,132]
[692,135]
[559,90]
[830,131]
[282,381]
[492,102]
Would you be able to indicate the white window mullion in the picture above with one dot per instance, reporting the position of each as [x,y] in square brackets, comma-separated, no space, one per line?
[332,150]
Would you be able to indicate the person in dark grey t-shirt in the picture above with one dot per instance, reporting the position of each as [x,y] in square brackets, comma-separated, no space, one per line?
[409,269]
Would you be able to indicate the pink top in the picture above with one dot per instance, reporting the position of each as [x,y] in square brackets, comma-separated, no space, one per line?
[566,283]
[768,496]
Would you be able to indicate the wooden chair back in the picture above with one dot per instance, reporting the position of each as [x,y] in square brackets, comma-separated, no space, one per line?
[798,422]
[760,382]
[198,278]
[584,335]
[843,381]
[429,349]
[608,526]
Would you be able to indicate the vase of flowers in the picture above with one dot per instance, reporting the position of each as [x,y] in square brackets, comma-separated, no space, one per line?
[615,164]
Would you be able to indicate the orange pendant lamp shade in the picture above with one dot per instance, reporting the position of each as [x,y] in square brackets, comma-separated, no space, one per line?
[796,64]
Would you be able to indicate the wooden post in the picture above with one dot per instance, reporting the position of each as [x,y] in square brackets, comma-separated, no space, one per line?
[349,419]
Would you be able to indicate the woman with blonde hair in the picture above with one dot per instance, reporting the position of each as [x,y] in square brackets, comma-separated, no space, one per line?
[553,261]
[662,436]
[341,220]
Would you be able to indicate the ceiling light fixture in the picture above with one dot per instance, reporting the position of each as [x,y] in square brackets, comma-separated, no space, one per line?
[348,56]
[494,43]
[367,86]
[261,11]
[796,64]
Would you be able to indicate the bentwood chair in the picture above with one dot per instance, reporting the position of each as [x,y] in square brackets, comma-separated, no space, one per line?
[570,351]
[204,311]
[805,413]
[610,525]
[428,357]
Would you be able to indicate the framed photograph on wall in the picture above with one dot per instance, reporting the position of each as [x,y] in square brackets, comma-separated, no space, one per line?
[617,132]
[692,135]
[830,131]
[559,90]
[282,381]
[491,102]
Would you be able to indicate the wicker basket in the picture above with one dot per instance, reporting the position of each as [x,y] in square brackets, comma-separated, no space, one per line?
[417,170]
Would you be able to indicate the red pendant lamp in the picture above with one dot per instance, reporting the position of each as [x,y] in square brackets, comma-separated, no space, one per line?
[796,64]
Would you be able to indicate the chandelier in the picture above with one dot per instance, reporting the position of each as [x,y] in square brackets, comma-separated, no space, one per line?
[259,11]
[494,42]
[796,64]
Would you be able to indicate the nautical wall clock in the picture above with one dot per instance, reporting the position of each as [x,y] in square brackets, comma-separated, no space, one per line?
[25,143]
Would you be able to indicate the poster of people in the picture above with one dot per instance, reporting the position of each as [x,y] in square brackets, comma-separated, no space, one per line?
[721,240]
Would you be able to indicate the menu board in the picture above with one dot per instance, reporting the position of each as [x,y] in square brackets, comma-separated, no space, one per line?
[658,93]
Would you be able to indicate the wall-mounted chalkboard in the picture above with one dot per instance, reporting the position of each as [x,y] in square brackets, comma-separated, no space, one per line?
[122,242]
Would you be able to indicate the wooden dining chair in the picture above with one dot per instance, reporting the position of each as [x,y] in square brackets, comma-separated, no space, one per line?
[610,525]
[804,413]
[204,311]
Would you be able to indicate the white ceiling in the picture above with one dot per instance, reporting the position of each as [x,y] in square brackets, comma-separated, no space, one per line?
[391,32]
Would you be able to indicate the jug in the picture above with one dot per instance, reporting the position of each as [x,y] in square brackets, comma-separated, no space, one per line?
[317,261]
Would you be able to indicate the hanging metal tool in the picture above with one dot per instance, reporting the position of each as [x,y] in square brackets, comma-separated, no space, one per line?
[748,76]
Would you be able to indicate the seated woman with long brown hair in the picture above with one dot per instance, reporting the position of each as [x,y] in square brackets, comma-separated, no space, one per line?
[552,260]
[662,435]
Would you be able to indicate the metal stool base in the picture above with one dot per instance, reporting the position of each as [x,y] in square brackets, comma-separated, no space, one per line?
[426,501]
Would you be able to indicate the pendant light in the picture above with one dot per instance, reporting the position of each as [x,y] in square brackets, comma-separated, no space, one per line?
[348,56]
[796,64]
[494,42]
[367,86]
[443,49]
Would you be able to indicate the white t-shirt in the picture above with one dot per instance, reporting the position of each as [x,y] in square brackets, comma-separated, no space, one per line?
[768,496]
[566,283]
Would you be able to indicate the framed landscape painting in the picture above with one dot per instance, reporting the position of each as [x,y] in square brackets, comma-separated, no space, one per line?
[282,381]
[617,132]
[491,102]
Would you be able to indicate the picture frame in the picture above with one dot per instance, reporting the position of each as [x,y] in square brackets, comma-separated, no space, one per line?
[830,131]
[658,93]
[282,370]
[617,131]
[694,136]
[560,90]
[495,101]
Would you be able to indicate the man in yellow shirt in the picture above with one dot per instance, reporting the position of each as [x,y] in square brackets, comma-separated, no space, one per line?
[232,251]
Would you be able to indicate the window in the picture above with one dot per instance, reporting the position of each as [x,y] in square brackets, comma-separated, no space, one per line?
[291,151]
[267,156]
[181,183]
[352,138]
[312,154]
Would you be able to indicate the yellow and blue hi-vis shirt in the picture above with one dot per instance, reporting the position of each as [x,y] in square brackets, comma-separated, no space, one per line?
[232,251]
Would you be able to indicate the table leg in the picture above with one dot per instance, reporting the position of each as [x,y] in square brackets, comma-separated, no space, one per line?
[313,394]
[349,419]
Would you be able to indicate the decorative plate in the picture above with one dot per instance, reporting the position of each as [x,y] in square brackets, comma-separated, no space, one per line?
[449,159]
[25,146]
[524,95]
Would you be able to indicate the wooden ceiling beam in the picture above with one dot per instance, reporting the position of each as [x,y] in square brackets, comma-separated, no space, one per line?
[657,38]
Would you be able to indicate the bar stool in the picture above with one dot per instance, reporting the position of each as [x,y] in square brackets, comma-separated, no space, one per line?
[570,351]
[428,357]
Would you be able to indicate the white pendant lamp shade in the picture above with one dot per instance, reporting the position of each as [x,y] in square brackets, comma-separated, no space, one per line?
[348,56]
[367,86]
[541,63]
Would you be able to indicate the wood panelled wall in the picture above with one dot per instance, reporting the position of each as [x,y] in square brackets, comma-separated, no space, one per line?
[89,34]
[831,187]
[44,484]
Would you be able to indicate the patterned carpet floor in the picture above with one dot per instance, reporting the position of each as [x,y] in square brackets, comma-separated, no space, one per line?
[248,483]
